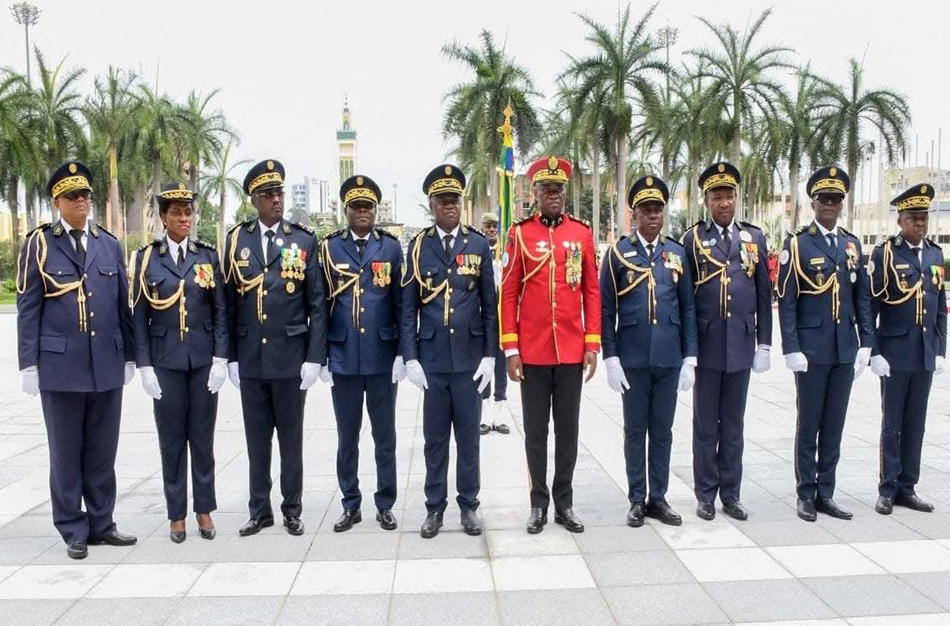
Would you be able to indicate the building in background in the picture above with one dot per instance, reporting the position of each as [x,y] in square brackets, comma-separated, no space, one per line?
[346,146]
[875,221]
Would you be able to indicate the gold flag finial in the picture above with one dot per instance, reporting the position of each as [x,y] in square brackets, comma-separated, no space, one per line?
[509,112]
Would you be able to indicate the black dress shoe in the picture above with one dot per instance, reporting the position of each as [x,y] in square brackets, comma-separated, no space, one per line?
[885,505]
[431,525]
[536,520]
[484,429]
[470,523]
[347,520]
[502,428]
[386,519]
[293,525]
[913,501]
[636,514]
[662,511]
[569,520]
[806,509]
[114,538]
[77,550]
[735,510]
[255,525]
[706,511]
[829,507]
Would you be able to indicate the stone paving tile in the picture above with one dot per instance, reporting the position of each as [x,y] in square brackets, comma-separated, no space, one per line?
[562,606]
[344,577]
[541,572]
[443,576]
[33,613]
[721,564]
[651,605]
[217,611]
[824,561]
[767,600]
[52,581]
[623,569]
[934,585]
[857,596]
[900,557]
[464,609]
[147,581]
[119,612]
[339,610]
[245,579]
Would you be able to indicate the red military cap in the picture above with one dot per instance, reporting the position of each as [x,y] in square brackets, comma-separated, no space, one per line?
[550,169]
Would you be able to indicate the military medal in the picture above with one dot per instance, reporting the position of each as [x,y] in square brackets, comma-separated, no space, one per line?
[291,287]
[820,277]
[204,275]
[854,277]
[744,235]
[572,264]
[245,254]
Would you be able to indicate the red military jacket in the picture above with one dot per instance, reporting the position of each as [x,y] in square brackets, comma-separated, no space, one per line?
[550,298]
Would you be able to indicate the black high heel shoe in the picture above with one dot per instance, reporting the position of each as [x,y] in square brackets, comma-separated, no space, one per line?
[177,536]
[206,532]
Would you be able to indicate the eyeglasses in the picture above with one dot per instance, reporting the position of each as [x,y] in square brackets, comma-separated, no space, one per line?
[829,198]
[82,194]
[270,194]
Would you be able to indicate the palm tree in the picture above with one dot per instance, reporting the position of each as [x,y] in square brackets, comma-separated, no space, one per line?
[798,119]
[220,181]
[17,148]
[157,130]
[848,108]
[613,78]
[55,117]
[110,113]
[204,133]
[476,109]
[742,73]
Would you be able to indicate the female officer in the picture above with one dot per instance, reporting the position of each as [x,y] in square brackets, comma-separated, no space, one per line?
[180,319]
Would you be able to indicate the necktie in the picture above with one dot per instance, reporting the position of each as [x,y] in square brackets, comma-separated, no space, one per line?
[77,234]
[181,258]
[650,250]
[447,242]
[831,241]
[360,247]
[916,250]
[269,247]
[726,239]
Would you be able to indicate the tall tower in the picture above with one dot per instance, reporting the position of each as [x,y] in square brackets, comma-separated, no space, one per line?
[346,145]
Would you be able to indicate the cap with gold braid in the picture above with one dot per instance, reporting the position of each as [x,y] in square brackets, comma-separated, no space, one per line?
[721,174]
[70,176]
[829,179]
[172,192]
[646,189]
[917,198]
[359,187]
[550,169]
[265,175]
[444,179]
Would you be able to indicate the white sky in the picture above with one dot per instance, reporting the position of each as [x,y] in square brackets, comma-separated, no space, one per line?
[283,67]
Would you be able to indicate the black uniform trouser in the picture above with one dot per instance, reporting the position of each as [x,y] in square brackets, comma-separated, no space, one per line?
[822,394]
[547,390]
[719,400]
[648,408]
[380,393]
[904,397]
[501,380]
[185,419]
[83,434]
[270,404]
[451,402]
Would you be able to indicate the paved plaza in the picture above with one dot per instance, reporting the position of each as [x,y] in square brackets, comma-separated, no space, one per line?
[772,568]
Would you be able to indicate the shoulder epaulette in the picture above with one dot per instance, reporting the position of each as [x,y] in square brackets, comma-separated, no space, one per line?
[236,226]
[523,220]
[39,227]
[749,225]
[668,238]
[846,232]
[699,223]
[335,233]
[472,229]
[580,221]
[100,228]
[429,231]
[800,230]
[386,233]
[933,243]
[153,242]
[303,227]
[205,244]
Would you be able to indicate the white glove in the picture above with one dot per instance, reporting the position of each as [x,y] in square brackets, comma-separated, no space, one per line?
[762,360]
[234,374]
[325,375]
[129,371]
[485,371]
[616,379]
[687,377]
[861,361]
[30,380]
[880,366]
[150,382]
[218,374]
[938,365]
[416,374]
[309,374]
[399,369]
[796,362]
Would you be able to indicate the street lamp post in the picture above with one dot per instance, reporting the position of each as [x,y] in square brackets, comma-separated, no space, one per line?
[666,37]
[28,15]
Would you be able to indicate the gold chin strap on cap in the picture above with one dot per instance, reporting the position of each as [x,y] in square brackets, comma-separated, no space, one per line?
[244,285]
[720,273]
[645,274]
[813,289]
[160,304]
[442,288]
[51,287]
[352,281]
[917,291]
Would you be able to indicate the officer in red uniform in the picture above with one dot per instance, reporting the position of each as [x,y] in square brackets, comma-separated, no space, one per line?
[549,264]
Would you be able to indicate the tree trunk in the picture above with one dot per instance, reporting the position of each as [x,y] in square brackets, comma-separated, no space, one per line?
[221,220]
[794,170]
[155,224]
[852,167]
[576,183]
[14,204]
[736,152]
[621,143]
[193,176]
[492,193]
[30,208]
[696,199]
[595,156]
[134,223]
